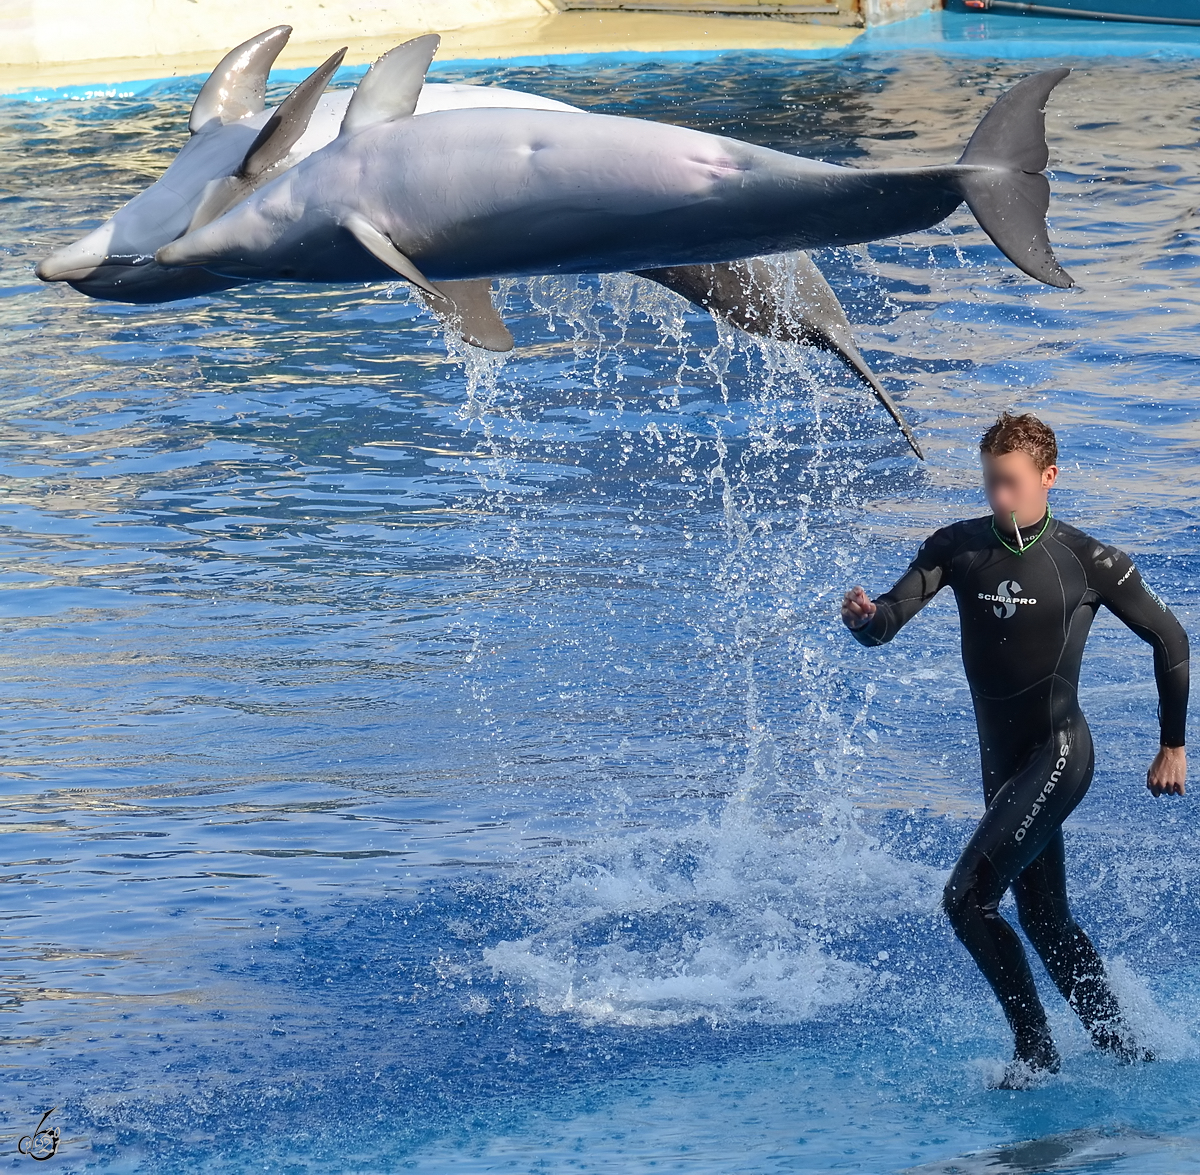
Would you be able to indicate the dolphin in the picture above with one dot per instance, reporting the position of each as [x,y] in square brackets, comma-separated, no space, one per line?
[746,294]
[237,145]
[116,261]
[453,199]
[471,195]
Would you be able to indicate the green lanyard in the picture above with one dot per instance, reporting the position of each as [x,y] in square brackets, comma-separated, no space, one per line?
[1024,544]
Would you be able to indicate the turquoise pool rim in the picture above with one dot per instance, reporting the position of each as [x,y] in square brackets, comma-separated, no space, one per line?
[986,36]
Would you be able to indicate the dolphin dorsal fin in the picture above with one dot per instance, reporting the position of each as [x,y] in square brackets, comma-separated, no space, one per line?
[238,86]
[392,85]
[270,147]
[290,120]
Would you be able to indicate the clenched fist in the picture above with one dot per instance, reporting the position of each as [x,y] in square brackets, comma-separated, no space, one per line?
[1168,772]
[857,609]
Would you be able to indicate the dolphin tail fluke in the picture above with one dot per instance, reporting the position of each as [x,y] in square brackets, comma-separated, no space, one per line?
[1002,181]
[750,295]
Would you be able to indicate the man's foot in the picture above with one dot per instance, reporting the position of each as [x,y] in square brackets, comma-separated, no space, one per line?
[1118,1041]
[1034,1059]
[1018,1075]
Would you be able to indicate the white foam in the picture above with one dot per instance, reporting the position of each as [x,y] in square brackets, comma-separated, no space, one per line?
[729,921]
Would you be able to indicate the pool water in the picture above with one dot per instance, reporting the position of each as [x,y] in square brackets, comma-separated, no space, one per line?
[431,761]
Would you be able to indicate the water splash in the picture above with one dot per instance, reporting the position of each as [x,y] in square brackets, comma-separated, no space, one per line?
[761,911]
[727,922]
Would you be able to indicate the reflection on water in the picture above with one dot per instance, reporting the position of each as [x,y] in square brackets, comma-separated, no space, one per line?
[1078,1150]
[447,761]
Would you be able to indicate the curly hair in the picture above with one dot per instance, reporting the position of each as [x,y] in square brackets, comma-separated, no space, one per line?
[1021,434]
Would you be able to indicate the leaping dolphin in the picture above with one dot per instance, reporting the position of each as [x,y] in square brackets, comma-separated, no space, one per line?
[229,116]
[451,200]
[468,196]
[238,145]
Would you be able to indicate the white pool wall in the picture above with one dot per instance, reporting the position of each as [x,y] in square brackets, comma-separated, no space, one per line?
[50,31]
[56,43]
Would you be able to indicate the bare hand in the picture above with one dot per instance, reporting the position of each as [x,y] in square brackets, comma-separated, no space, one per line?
[1168,772]
[857,609]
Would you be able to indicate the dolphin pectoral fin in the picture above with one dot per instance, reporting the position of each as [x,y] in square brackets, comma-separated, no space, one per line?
[1001,178]
[382,249]
[472,313]
[391,86]
[238,86]
[219,196]
[793,304]
[466,304]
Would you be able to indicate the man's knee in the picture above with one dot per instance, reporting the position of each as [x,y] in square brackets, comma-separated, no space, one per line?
[1041,925]
[1037,929]
[972,892]
[961,903]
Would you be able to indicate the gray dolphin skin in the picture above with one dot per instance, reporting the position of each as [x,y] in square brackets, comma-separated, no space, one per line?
[459,196]
[746,295]
[116,261]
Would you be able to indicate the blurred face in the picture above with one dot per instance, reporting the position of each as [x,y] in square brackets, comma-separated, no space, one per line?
[1014,484]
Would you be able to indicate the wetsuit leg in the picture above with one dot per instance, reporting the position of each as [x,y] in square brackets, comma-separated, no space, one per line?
[1022,817]
[1067,952]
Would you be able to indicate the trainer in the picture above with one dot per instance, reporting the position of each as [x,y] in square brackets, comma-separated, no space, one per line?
[1027,587]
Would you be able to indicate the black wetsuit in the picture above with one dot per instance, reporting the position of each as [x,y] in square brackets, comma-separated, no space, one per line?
[1025,618]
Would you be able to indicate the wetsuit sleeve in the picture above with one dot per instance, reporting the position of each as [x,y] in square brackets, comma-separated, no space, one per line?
[1122,590]
[927,574]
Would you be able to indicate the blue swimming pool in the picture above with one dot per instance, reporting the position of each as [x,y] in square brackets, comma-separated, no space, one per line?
[454,763]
